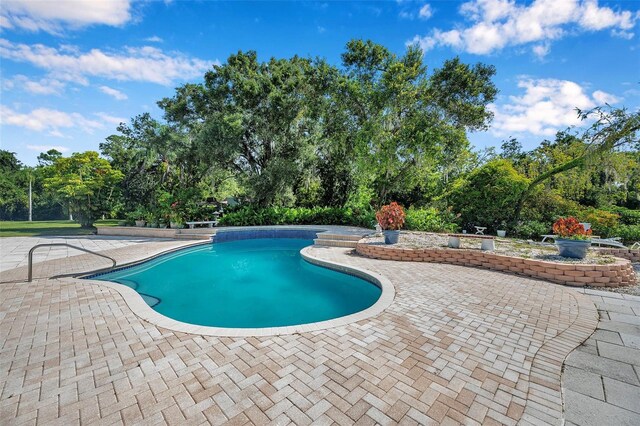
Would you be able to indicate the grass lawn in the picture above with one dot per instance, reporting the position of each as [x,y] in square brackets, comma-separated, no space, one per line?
[48,227]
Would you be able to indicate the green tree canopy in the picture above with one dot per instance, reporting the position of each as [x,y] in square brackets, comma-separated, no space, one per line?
[402,118]
[86,182]
[488,196]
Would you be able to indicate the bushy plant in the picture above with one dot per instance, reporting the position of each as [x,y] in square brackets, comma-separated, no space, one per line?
[531,229]
[256,216]
[488,195]
[569,228]
[626,216]
[629,233]
[546,206]
[429,220]
[391,217]
[602,222]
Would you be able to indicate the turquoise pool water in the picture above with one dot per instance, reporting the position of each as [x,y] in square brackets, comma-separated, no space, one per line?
[246,284]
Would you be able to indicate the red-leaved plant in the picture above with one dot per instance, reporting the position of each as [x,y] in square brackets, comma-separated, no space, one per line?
[391,217]
[569,228]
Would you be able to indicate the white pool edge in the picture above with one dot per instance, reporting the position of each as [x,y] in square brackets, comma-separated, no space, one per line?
[140,308]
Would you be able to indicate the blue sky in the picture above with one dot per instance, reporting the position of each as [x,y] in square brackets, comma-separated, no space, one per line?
[71,70]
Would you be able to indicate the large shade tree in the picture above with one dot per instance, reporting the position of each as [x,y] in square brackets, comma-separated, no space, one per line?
[402,118]
[252,118]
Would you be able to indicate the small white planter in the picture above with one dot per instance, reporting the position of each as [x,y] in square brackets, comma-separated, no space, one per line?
[141,223]
[501,233]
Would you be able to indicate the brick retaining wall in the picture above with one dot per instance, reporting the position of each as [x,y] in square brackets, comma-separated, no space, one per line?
[618,273]
[626,253]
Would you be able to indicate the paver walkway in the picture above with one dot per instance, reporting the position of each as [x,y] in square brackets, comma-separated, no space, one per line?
[601,379]
[457,345]
[14,250]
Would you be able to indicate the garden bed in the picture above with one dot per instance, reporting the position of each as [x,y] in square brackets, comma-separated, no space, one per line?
[597,270]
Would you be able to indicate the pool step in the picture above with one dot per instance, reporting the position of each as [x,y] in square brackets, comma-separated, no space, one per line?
[337,240]
[335,243]
[184,234]
[342,237]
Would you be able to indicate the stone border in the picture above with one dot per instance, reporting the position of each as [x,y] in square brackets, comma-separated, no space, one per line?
[145,312]
[618,273]
[545,384]
[626,253]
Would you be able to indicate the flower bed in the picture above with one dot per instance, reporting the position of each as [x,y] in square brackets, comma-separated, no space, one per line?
[617,272]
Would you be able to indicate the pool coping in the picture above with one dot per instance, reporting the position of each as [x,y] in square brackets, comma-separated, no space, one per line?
[140,308]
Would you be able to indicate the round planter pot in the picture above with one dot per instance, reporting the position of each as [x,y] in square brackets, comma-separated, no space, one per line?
[501,233]
[576,249]
[140,223]
[176,225]
[391,237]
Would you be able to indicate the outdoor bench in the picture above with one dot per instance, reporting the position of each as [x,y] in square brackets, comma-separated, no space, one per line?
[487,243]
[209,223]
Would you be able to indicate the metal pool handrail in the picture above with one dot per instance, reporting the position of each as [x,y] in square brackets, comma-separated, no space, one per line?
[30,277]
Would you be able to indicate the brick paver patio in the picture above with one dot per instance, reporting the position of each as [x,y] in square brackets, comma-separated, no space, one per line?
[457,345]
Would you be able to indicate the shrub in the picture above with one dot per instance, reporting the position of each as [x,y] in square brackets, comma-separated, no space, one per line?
[429,220]
[391,217]
[629,233]
[627,216]
[546,206]
[531,229]
[569,228]
[489,195]
[256,216]
[602,222]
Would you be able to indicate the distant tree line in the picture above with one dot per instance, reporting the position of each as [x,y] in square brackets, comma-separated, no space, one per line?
[302,133]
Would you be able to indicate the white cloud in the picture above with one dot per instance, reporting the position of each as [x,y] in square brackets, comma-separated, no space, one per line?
[409,10]
[154,39]
[44,86]
[547,106]
[54,16]
[47,120]
[110,118]
[147,63]
[45,148]
[541,50]
[425,11]
[496,24]
[605,98]
[116,94]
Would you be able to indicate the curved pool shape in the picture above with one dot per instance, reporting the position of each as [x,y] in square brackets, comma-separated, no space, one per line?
[252,283]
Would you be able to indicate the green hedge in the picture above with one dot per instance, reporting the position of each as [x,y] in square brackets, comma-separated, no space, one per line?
[252,216]
[532,229]
[429,220]
[629,233]
[627,216]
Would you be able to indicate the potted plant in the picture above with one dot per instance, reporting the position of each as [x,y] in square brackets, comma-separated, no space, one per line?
[572,239]
[175,221]
[139,217]
[502,231]
[175,218]
[391,218]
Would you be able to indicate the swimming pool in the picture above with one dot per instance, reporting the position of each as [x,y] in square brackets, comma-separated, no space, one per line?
[248,283]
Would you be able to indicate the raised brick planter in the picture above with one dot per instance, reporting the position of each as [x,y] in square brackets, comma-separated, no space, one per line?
[618,273]
[626,253]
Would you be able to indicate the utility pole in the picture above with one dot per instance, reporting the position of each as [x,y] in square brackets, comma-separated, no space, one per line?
[30,201]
